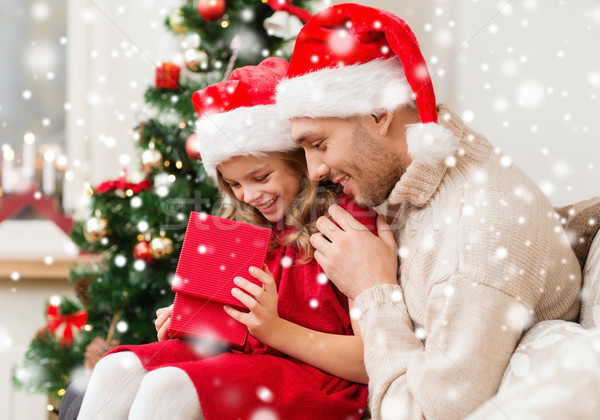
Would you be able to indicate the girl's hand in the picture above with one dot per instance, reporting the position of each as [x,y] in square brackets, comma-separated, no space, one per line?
[163,316]
[262,320]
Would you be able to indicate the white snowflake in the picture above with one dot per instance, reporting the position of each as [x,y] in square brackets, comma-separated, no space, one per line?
[122,326]
[322,278]
[286,262]
[501,253]
[264,394]
[120,260]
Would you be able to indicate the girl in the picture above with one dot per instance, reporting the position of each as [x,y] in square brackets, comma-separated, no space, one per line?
[303,357]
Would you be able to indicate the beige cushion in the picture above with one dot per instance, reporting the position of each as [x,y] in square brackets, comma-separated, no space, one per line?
[590,292]
[565,386]
[538,346]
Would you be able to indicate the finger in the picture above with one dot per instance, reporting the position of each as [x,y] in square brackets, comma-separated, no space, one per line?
[235,314]
[163,332]
[266,270]
[345,220]
[165,309]
[248,286]
[161,319]
[319,242]
[265,278]
[328,228]
[246,300]
[321,260]
[384,231]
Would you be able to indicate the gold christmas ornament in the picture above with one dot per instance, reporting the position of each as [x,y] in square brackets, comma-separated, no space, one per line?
[177,21]
[161,247]
[196,60]
[95,229]
[151,158]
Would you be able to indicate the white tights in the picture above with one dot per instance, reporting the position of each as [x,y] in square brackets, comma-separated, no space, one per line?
[121,388]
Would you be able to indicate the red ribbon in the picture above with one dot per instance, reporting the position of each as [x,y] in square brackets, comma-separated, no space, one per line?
[56,319]
[287,6]
[122,184]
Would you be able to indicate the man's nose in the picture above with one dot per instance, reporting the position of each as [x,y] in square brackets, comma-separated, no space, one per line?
[317,170]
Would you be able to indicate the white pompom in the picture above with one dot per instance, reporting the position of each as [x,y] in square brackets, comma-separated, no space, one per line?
[430,143]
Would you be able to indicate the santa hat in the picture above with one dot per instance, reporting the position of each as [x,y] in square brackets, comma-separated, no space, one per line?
[238,117]
[353,60]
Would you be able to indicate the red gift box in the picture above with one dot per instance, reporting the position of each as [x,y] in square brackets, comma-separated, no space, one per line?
[214,251]
[167,76]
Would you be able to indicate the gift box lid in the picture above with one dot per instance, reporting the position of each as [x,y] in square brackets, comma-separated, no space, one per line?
[214,251]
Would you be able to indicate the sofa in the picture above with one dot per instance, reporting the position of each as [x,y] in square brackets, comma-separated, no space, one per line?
[565,383]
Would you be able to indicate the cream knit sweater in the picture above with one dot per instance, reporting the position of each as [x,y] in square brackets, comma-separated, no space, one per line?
[482,257]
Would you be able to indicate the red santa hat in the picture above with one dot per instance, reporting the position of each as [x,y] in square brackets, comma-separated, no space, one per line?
[350,60]
[238,117]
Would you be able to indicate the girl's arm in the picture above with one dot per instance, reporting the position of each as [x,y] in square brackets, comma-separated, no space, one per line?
[338,355]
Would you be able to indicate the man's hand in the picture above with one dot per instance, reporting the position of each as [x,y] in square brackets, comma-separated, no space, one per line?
[351,256]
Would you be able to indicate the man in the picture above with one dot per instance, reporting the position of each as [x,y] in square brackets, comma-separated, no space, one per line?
[482,255]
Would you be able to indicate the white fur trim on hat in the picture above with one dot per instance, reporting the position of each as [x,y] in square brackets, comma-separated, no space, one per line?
[430,143]
[244,131]
[376,86]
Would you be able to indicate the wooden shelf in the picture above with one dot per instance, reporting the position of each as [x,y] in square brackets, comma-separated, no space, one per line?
[36,269]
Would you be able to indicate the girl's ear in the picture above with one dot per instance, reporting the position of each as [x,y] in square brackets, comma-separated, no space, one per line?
[382,121]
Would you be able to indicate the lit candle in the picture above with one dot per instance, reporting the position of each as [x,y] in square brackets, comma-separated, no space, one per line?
[7,169]
[48,173]
[66,198]
[28,157]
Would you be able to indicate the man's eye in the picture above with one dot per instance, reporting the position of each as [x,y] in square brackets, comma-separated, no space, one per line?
[317,144]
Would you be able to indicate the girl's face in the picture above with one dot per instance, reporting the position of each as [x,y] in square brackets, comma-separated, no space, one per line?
[266,183]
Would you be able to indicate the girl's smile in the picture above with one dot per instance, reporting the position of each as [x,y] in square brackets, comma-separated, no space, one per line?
[267,183]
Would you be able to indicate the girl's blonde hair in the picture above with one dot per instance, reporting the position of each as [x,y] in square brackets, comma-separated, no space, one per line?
[312,201]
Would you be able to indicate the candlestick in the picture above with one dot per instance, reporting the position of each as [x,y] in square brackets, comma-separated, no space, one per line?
[66,198]
[7,169]
[28,169]
[48,173]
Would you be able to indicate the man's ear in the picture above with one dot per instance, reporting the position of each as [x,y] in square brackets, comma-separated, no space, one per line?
[383,121]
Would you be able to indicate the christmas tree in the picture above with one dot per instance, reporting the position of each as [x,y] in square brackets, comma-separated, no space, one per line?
[136,227]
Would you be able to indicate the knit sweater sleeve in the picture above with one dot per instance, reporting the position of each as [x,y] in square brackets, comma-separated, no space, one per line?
[450,366]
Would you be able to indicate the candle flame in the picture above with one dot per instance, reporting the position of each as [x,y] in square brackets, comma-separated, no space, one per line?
[9,154]
[29,138]
[49,155]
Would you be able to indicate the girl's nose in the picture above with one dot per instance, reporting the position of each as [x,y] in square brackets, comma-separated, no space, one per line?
[251,195]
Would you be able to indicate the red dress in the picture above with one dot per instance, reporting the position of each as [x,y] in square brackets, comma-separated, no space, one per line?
[261,382]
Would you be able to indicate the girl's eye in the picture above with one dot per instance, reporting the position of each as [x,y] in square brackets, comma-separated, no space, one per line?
[262,178]
[234,185]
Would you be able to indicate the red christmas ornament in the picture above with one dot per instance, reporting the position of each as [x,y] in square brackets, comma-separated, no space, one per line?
[141,251]
[167,76]
[191,146]
[211,10]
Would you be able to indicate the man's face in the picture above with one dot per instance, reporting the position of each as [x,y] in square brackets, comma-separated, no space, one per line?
[346,152]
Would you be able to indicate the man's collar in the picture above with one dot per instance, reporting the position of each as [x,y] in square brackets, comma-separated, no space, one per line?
[420,181]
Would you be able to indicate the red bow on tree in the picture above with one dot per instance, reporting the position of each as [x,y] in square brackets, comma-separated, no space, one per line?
[56,319]
[287,6]
[122,184]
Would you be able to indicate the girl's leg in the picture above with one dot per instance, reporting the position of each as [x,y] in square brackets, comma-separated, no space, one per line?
[166,393]
[114,383]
